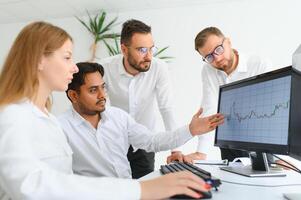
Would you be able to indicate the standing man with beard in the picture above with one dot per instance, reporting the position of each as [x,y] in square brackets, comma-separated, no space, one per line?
[135,82]
[223,64]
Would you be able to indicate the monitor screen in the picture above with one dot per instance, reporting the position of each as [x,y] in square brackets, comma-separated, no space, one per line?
[257,112]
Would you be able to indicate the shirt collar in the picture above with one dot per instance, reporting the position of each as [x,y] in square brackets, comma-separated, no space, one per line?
[121,69]
[242,64]
[78,119]
[37,111]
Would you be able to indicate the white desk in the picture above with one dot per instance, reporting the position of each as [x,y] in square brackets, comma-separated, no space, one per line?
[244,192]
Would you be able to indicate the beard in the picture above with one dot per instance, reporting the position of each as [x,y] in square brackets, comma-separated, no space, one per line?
[224,65]
[88,111]
[142,66]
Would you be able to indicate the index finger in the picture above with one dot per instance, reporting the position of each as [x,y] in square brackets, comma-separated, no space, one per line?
[217,115]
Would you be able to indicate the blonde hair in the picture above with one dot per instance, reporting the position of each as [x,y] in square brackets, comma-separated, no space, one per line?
[19,76]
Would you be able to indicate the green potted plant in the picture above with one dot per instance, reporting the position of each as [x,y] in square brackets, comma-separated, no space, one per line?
[100,32]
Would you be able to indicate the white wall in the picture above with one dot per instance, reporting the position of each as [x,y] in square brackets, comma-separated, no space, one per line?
[266,27]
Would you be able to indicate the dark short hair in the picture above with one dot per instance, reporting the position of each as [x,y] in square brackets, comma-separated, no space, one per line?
[130,27]
[79,78]
[202,36]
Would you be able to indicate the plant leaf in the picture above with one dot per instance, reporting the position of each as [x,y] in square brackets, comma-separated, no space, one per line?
[117,45]
[101,22]
[166,57]
[83,23]
[108,36]
[161,50]
[110,25]
[91,24]
[111,50]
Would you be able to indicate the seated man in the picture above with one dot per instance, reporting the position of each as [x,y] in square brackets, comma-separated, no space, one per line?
[100,137]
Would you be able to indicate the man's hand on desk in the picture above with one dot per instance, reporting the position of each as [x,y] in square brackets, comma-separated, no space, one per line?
[173,184]
[200,125]
[178,156]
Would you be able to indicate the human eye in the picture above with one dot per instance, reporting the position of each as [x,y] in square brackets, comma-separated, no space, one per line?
[209,58]
[142,50]
[92,90]
[219,50]
[154,50]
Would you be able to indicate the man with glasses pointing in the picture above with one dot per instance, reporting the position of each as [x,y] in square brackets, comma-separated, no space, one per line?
[140,84]
[223,65]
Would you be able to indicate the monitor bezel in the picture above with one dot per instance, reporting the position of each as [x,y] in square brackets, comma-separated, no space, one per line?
[250,146]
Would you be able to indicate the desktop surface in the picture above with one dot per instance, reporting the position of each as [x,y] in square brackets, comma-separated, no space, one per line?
[267,187]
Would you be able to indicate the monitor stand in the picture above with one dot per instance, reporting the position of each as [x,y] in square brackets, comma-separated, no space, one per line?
[259,168]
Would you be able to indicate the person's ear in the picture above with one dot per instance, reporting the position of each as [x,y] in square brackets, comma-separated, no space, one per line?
[72,94]
[229,41]
[41,64]
[199,51]
[124,49]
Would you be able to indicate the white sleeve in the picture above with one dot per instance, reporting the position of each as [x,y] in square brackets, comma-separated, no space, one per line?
[209,105]
[164,96]
[141,137]
[24,176]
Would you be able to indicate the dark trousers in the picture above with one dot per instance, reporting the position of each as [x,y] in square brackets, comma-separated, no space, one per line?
[230,154]
[141,162]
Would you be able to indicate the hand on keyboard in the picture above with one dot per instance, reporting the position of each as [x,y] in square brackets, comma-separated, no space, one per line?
[174,184]
[205,175]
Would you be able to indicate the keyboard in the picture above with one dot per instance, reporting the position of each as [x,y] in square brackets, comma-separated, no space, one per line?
[205,175]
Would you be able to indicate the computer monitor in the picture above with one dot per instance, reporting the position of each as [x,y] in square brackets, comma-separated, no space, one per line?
[295,146]
[263,115]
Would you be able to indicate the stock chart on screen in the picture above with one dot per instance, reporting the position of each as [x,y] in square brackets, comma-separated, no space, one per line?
[257,112]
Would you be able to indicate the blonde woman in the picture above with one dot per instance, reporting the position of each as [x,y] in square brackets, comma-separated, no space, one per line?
[35,158]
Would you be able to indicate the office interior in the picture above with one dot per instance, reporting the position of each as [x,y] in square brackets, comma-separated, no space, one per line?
[269,28]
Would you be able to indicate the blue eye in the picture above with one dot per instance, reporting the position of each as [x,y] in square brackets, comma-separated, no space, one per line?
[209,58]
[219,50]
[143,50]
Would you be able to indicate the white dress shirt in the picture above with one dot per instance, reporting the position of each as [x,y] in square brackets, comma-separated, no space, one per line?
[213,78]
[137,95]
[103,151]
[36,161]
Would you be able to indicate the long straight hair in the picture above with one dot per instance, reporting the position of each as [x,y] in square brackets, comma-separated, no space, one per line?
[19,76]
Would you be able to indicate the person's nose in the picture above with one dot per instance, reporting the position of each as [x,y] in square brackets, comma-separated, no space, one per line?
[218,58]
[101,93]
[74,68]
[148,55]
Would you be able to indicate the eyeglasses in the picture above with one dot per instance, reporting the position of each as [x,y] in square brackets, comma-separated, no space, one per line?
[144,50]
[217,51]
